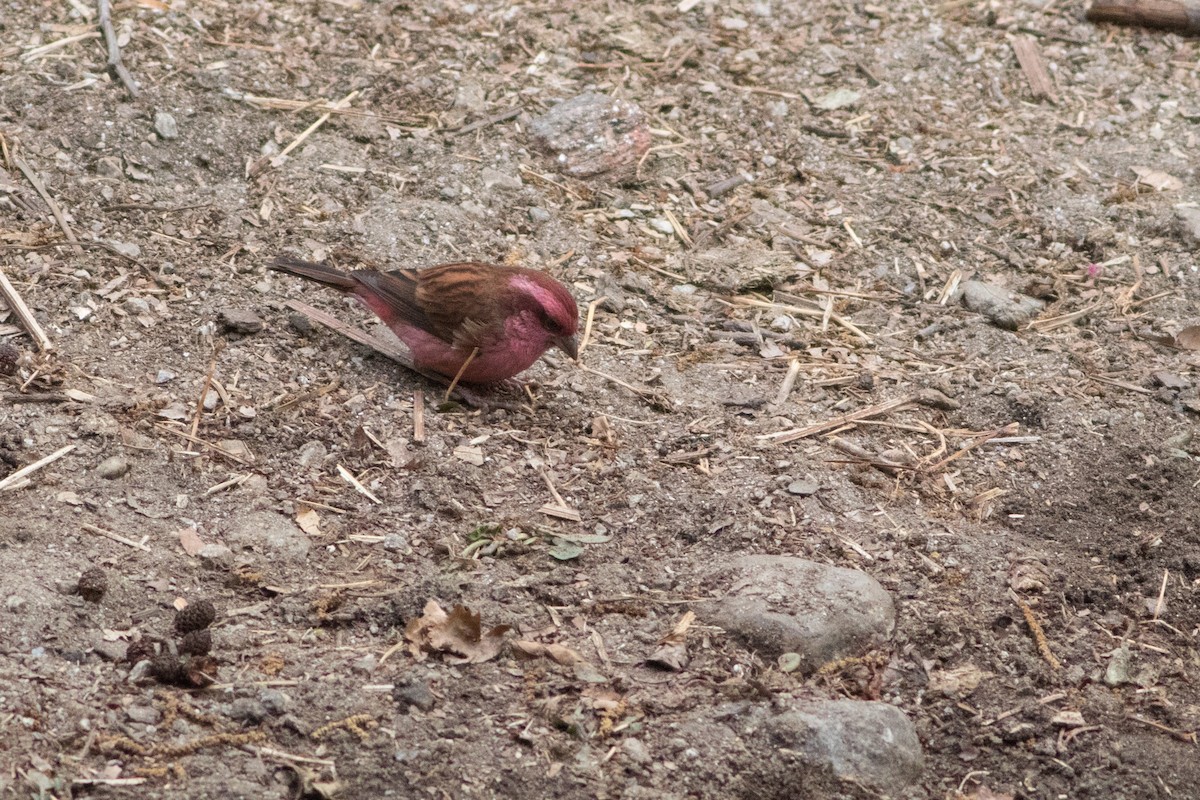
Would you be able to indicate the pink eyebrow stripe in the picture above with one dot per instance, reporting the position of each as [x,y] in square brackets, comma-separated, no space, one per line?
[544,296]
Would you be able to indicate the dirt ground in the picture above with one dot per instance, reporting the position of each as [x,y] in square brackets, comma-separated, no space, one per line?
[1046,585]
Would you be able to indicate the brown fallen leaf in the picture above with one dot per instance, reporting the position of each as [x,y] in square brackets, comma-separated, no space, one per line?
[309,521]
[1188,338]
[190,541]
[1156,180]
[672,648]
[457,634]
[560,654]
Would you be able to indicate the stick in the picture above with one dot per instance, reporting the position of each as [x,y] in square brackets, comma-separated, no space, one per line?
[116,537]
[503,116]
[115,67]
[789,381]
[32,177]
[14,481]
[311,129]
[22,311]
[782,437]
[1165,14]
[1029,55]
[418,416]
[459,374]
[587,325]
[358,487]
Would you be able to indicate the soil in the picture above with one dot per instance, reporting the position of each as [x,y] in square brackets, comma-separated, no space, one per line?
[1046,584]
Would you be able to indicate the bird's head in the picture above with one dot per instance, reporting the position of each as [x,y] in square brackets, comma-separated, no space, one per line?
[553,308]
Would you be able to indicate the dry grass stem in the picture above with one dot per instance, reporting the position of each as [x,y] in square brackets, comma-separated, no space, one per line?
[17,304]
[19,478]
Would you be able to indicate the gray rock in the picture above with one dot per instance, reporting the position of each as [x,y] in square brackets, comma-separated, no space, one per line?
[1005,308]
[268,534]
[274,701]
[592,133]
[803,488]
[414,693]
[131,249]
[312,454]
[112,467]
[239,320]
[217,556]
[247,710]
[538,215]
[147,715]
[780,604]
[165,125]
[869,743]
[15,604]
[164,376]
[395,541]
[1187,222]
[495,179]
[635,751]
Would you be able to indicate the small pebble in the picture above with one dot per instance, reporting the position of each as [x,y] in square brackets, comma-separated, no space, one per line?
[112,467]
[165,125]
[238,320]
[164,376]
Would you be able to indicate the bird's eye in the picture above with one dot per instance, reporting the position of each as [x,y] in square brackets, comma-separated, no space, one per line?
[548,322]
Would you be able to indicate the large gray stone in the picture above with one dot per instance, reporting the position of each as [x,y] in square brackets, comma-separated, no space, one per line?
[268,534]
[780,604]
[870,743]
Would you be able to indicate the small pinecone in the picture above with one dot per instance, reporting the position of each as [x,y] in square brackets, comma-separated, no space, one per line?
[93,583]
[195,616]
[167,668]
[196,643]
[141,650]
[9,356]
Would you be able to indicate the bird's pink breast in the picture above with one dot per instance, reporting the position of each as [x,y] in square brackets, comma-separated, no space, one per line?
[512,353]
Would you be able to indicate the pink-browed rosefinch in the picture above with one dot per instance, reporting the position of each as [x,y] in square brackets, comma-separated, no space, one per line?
[505,317]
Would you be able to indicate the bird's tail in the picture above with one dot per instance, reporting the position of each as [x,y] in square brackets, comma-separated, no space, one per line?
[314,272]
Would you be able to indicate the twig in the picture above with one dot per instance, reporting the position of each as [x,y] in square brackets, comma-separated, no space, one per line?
[587,323]
[789,381]
[13,298]
[759,302]
[503,116]
[651,397]
[116,537]
[32,177]
[879,409]
[983,438]
[418,416]
[208,379]
[197,440]
[115,66]
[1162,592]
[16,480]
[358,487]
[38,52]
[458,375]
[311,129]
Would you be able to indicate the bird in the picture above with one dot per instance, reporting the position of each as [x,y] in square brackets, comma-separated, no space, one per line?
[472,322]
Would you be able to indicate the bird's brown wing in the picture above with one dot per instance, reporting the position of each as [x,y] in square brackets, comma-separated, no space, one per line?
[462,300]
[397,290]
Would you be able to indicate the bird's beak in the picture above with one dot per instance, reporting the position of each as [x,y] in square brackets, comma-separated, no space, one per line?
[569,345]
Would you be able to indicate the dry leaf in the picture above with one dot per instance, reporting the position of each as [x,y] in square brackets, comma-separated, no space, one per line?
[309,521]
[190,541]
[558,653]
[457,634]
[957,682]
[1188,338]
[672,651]
[1157,180]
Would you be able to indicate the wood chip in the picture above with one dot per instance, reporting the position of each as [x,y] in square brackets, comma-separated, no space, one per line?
[1033,64]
